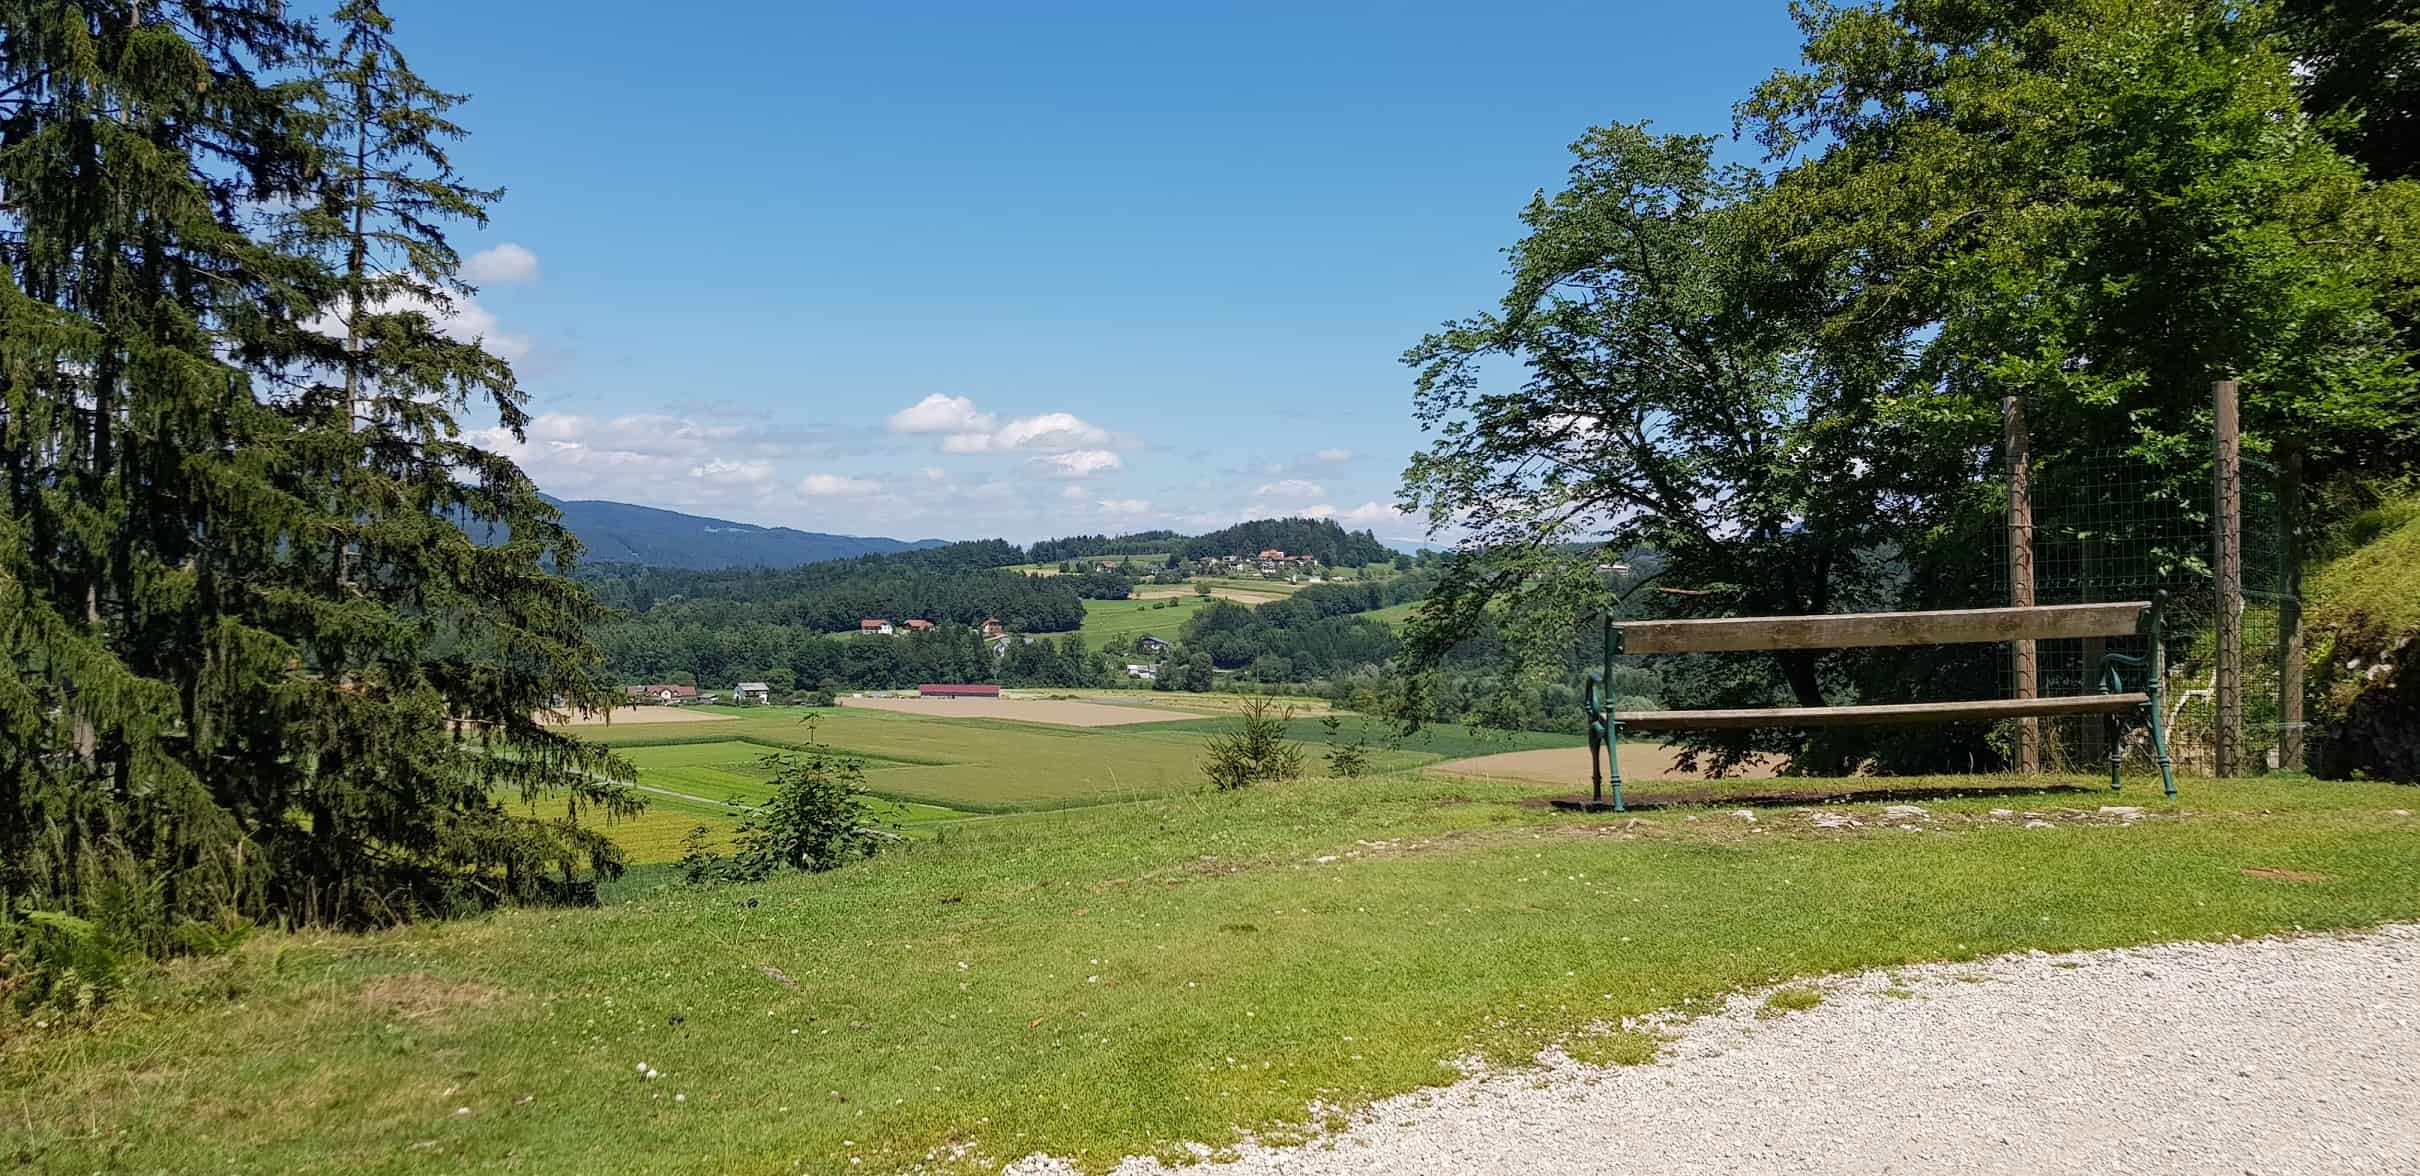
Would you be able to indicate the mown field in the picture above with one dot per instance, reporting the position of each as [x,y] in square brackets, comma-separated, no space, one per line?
[1124,620]
[935,770]
[1126,978]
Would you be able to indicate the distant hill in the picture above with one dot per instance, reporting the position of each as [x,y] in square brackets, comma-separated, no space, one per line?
[617,532]
[1332,544]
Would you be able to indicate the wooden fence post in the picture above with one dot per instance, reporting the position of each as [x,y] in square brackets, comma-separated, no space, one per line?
[2020,573]
[2289,612]
[2227,563]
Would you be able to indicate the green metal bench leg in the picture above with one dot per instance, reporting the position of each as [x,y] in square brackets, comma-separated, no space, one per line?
[1603,758]
[1613,726]
[1613,758]
[2159,735]
[1596,739]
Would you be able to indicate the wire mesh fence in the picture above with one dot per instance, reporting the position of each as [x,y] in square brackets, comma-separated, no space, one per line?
[2109,527]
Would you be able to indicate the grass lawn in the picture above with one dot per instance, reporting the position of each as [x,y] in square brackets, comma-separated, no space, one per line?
[974,765]
[1121,978]
[1393,615]
[1124,620]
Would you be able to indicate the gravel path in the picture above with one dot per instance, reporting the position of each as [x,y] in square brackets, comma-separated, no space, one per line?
[2266,1056]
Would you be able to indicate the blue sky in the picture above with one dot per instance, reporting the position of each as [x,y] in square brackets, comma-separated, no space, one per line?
[1019,270]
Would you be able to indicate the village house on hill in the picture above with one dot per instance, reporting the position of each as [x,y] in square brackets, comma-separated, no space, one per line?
[993,628]
[1151,644]
[920,626]
[752,694]
[661,692]
[1274,562]
[874,626]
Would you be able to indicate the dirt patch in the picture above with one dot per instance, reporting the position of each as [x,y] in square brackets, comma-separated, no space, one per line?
[420,995]
[628,715]
[1238,595]
[1569,765]
[1057,712]
[2276,874]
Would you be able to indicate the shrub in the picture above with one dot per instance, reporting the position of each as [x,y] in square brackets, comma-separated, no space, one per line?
[56,960]
[817,698]
[1255,752]
[817,820]
[1346,759]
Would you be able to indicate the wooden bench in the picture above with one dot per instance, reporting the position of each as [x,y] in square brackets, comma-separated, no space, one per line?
[1870,630]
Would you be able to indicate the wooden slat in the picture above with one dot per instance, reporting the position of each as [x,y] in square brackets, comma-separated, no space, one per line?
[2046,622]
[1985,710]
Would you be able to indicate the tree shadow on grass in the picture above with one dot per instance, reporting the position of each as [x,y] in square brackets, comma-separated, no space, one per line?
[1789,794]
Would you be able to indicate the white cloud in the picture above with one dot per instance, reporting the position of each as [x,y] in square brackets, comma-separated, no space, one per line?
[1125,507]
[1051,431]
[719,470]
[1075,493]
[1080,463]
[1295,488]
[936,474]
[963,428]
[1334,455]
[1368,514]
[460,319]
[941,414]
[504,263]
[836,486]
[650,458]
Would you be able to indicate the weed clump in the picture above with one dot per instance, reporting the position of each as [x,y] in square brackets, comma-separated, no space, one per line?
[1785,1001]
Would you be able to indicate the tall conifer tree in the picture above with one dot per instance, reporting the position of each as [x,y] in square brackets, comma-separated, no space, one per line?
[259,668]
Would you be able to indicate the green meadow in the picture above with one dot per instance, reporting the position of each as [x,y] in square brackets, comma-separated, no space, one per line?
[1123,620]
[930,770]
[1126,978]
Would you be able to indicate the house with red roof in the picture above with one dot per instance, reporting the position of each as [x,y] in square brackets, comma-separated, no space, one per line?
[957,690]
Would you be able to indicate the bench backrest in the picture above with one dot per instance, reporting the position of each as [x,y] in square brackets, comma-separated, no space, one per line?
[2047,622]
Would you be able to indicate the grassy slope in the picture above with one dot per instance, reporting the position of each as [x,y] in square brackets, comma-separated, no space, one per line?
[1105,620]
[1115,979]
[1393,615]
[2374,589]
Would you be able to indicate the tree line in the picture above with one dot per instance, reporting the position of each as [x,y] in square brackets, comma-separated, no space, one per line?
[1322,539]
[1789,376]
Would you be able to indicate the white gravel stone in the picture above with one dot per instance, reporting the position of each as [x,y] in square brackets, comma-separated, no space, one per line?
[2276,1055]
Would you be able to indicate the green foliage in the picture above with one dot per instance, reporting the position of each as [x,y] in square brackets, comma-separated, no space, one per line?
[1345,759]
[1256,752]
[258,669]
[1788,383]
[2360,77]
[817,819]
[54,960]
[1322,539]
[2102,206]
[1646,293]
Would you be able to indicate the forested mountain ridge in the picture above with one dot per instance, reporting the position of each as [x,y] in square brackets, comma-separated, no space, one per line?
[620,532]
[957,583]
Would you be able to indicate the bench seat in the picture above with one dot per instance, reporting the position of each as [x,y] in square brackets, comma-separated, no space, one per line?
[1982,711]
